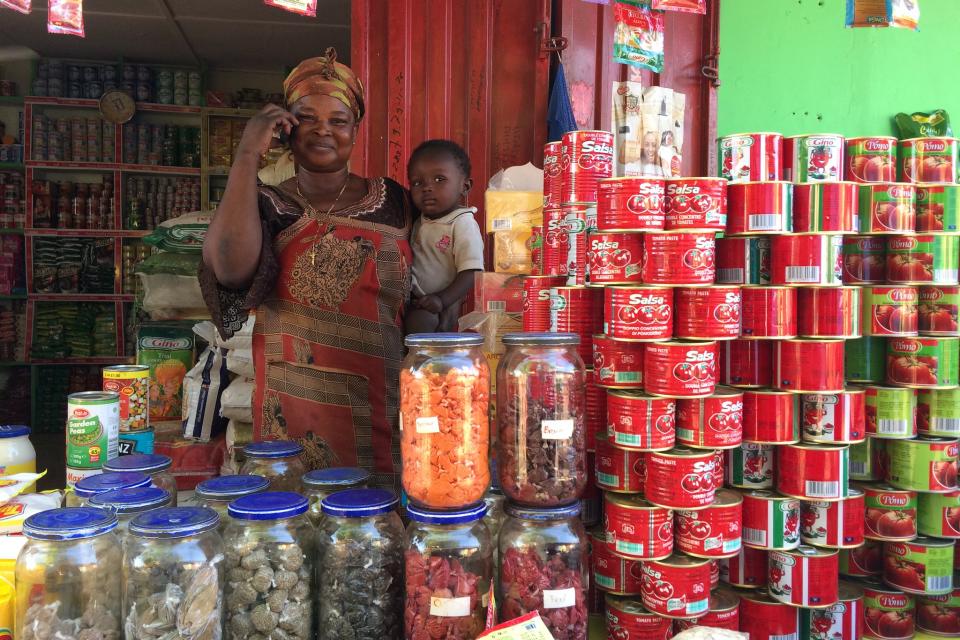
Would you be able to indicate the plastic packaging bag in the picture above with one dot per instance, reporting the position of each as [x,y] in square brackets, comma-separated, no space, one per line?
[685,6]
[903,14]
[66,17]
[237,400]
[710,633]
[648,130]
[183,234]
[13,485]
[202,388]
[638,38]
[22,6]
[924,125]
[168,351]
[301,7]
[16,511]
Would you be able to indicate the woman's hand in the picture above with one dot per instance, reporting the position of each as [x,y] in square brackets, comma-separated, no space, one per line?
[259,134]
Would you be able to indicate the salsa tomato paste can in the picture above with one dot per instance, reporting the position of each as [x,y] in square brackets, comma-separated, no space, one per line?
[924,259]
[804,577]
[680,479]
[927,362]
[707,313]
[619,470]
[750,157]
[828,312]
[759,207]
[921,566]
[579,220]
[940,615]
[640,422]
[743,260]
[814,157]
[924,464]
[627,619]
[536,301]
[614,258]
[552,178]
[630,204]
[617,363]
[747,569]
[889,311]
[834,418]
[890,412]
[613,573]
[871,159]
[888,207]
[929,160]
[938,208]
[835,525]
[825,207]
[891,514]
[863,561]
[696,204]
[888,613]
[638,312]
[724,613]
[939,514]
[938,310]
[750,466]
[808,365]
[768,312]
[556,242]
[679,258]
[713,532]
[763,617]
[841,621]
[586,158]
[938,412]
[711,423]
[771,417]
[637,529]
[92,429]
[770,521]
[595,410]
[813,472]
[677,587]
[130,382]
[577,310]
[865,359]
[807,260]
[746,363]
[864,260]
[680,369]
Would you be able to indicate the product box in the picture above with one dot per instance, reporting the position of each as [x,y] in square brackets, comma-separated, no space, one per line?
[512,252]
[514,211]
[498,292]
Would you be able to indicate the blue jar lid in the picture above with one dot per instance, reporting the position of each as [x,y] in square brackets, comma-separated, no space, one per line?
[359,503]
[333,477]
[174,522]
[459,516]
[273,449]
[541,339]
[271,505]
[142,462]
[14,430]
[543,514]
[444,340]
[103,482]
[230,487]
[124,501]
[69,523]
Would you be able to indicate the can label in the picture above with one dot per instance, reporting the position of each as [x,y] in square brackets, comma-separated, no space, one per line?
[635,529]
[759,207]
[890,412]
[813,473]
[865,360]
[863,561]
[681,479]
[807,260]
[743,260]
[595,412]
[680,369]
[638,313]
[676,587]
[708,313]
[828,312]
[535,245]
[640,422]
[938,412]
[808,365]
[923,259]
[805,577]
[750,466]
[938,310]
[679,258]
[830,418]
[696,204]
[556,242]
[887,614]
[891,514]
[938,208]
[610,571]
[887,208]
[618,363]
[940,615]
[614,258]
[763,617]
[841,621]
[928,160]
[631,204]
[825,207]
[833,524]
[923,566]
[711,423]
[924,464]
[813,158]
[890,311]
[871,159]
[636,624]
[768,312]
[579,220]
[618,469]
[749,157]
[135,442]
[552,179]
[713,532]
[586,158]
[746,363]
[923,362]
[864,260]
[93,426]
[130,384]
[577,310]
[536,301]
[771,417]
[724,614]
[770,521]
[747,569]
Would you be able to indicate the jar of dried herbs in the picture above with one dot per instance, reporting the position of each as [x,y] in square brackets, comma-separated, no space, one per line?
[129,503]
[102,483]
[276,460]
[155,465]
[218,493]
[319,484]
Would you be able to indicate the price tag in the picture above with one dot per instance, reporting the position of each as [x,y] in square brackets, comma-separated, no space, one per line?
[428,425]
[556,429]
[559,598]
[450,607]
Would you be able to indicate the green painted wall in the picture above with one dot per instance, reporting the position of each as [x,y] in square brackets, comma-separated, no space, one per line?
[791,66]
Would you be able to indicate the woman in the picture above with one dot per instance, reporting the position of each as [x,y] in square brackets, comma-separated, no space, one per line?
[650,161]
[324,258]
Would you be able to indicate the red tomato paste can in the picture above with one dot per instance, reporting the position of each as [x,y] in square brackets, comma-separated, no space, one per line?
[759,207]
[640,422]
[707,313]
[696,204]
[805,577]
[747,569]
[889,311]
[770,521]
[891,514]
[677,587]
[552,175]
[535,245]
[627,619]
[630,204]
[619,470]
[771,417]
[763,617]
[586,158]
[938,208]
[888,613]
[746,363]
[927,362]
[750,157]
[929,160]
[577,310]
[923,566]
[923,259]
[814,157]
[835,525]
[841,621]
[614,258]
[828,312]
[611,572]
[834,418]
[536,301]
[750,466]
[871,159]
[556,242]
[807,260]
[596,410]
[813,472]
[863,561]
[680,479]
[724,613]
[938,310]
[718,470]
[940,615]
[768,312]
[864,260]
[637,529]
[679,258]
[680,369]
[887,208]
[825,207]
[808,365]
[711,423]
[744,260]
[638,313]
[579,220]
[618,364]
[713,532]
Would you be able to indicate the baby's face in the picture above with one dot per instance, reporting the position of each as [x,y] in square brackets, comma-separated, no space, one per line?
[437,184]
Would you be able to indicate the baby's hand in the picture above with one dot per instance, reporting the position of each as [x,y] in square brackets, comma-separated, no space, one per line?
[430,303]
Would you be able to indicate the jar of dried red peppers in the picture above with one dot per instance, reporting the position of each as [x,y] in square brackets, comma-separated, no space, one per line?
[541,455]
[444,420]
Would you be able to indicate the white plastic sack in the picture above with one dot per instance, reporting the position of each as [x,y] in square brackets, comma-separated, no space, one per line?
[167,291]
[237,399]
[240,362]
[202,388]
[242,339]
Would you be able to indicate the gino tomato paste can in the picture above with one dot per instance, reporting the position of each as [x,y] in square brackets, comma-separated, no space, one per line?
[808,365]
[939,514]
[834,525]
[635,528]
[888,613]
[770,521]
[938,208]
[677,587]
[890,412]
[744,260]
[747,569]
[825,207]
[863,561]
[939,616]
[812,472]
[680,478]
[923,259]
[887,208]
[638,312]
[763,617]
[814,157]
[711,423]
[768,312]
[938,310]
[614,258]
[805,577]
[864,260]
[586,158]
[746,363]
[696,204]
[679,258]
[707,313]
[724,613]
[619,470]
[713,532]
[929,160]
[750,466]
[759,207]
[771,417]
[924,464]
[926,362]
[630,204]
[680,369]
[889,311]
[807,260]
[891,514]
[921,566]
[872,159]
[828,312]
[938,412]
[627,619]
[750,157]
[617,364]
[639,421]
[834,418]
[612,573]
[841,621]
[536,301]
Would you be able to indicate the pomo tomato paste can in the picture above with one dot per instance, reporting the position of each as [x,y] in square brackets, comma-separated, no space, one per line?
[586,158]
[696,204]
[746,363]
[864,260]
[770,521]
[939,514]
[536,301]
[938,310]
[679,258]
[680,369]
[865,360]
[638,312]
[939,616]
[707,313]
[834,418]
[677,587]
[924,259]
[768,312]
[680,478]
[872,159]
[805,577]
[639,421]
[637,529]
[841,621]
[763,617]
[828,312]
[891,514]
[627,619]
[747,569]
[808,365]
[889,311]
[938,208]
[834,525]
[863,561]
[724,613]
[923,566]
[928,160]
[711,423]
[630,204]
[750,466]
[924,464]
[713,532]
[617,364]
[825,207]
[887,208]
[926,362]
[938,412]
[890,412]
[614,258]
[611,572]
[888,613]
[759,207]
[807,260]
[771,417]
[813,472]
[814,157]
[619,470]
[750,157]
[743,260]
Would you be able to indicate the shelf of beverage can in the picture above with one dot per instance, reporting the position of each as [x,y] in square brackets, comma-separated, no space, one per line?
[11,231]
[13,296]
[11,166]
[113,166]
[83,361]
[86,103]
[81,297]
[87,233]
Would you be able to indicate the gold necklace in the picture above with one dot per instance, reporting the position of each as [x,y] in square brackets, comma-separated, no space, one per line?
[313,242]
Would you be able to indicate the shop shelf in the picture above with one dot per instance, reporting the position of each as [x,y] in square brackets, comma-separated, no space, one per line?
[11,100]
[81,297]
[96,361]
[11,231]
[63,102]
[79,166]
[149,168]
[153,107]
[11,166]
[13,296]
[13,363]
[87,233]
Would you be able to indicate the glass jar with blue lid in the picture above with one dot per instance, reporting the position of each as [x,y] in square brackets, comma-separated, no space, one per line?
[67,575]
[86,488]
[449,562]
[360,551]
[173,574]
[320,483]
[276,460]
[155,465]
[269,553]
[218,493]
[127,504]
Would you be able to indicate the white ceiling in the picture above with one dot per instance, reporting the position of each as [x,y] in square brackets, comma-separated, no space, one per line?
[225,34]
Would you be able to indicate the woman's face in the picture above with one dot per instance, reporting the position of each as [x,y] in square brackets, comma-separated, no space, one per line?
[323,141]
[650,147]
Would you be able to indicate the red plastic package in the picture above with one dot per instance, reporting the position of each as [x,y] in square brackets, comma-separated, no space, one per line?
[302,7]
[66,17]
[686,6]
[23,6]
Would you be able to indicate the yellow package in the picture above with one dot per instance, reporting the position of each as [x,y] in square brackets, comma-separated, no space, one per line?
[8,602]
[512,252]
[513,210]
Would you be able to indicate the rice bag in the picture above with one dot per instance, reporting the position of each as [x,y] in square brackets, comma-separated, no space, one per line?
[65,17]
[302,7]
[638,37]
[903,14]
[23,6]
[924,125]
[168,351]
[686,6]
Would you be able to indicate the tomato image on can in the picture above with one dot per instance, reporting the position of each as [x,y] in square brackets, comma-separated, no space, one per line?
[928,160]
[614,258]
[939,514]
[863,561]
[813,472]
[841,621]
[938,310]
[696,204]
[638,312]
[938,412]
[749,466]
[724,613]
[888,614]
[679,258]
[813,157]
[923,362]
[536,301]
[713,532]
[586,158]
[579,220]
[630,204]
[807,260]
[940,615]
[924,464]
[768,312]
[746,363]
[744,260]
[711,423]
[636,529]
[747,569]
[771,417]
[804,577]
[676,587]
[834,525]
[891,514]
[763,617]
[707,313]
[680,369]
[617,364]
[865,360]
[749,157]
[834,418]
[556,242]
[627,619]
[923,259]
[535,245]
[612,573]
[808,365]
[921,566]
[891,412]
[552,180]
[887,208]
[828,312]
[871,159]
[825,207]
[680,478]
[639,421]
[889,311]
[938,208]
[618,470]
[770,521]
[864,260]
[759,207]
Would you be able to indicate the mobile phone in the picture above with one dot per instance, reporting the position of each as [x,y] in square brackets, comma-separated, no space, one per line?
[284,137]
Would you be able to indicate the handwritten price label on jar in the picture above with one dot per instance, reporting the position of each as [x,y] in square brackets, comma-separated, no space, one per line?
[450,607]
[559,598]
[428,425]
[556,429]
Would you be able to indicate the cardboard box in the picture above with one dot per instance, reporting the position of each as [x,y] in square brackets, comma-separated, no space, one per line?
[513,210]
[498,292]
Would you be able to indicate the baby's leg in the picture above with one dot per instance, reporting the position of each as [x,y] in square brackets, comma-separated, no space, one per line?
[421,321]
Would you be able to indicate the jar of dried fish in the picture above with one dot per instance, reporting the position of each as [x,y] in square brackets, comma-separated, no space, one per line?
[360,558]
[66,578]
[276,460]
[217,493]
[152,464]
[319,484]
[102,483]
[269,546]
[173,575]
[129,503]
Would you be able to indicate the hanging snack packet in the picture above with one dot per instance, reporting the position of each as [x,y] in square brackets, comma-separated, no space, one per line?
[686,6]
[935,124]
[904,14]
[66,17]
[302,7]
[638,38]
[23,6]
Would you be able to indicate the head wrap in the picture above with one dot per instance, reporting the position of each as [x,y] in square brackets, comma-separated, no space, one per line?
[325,76]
